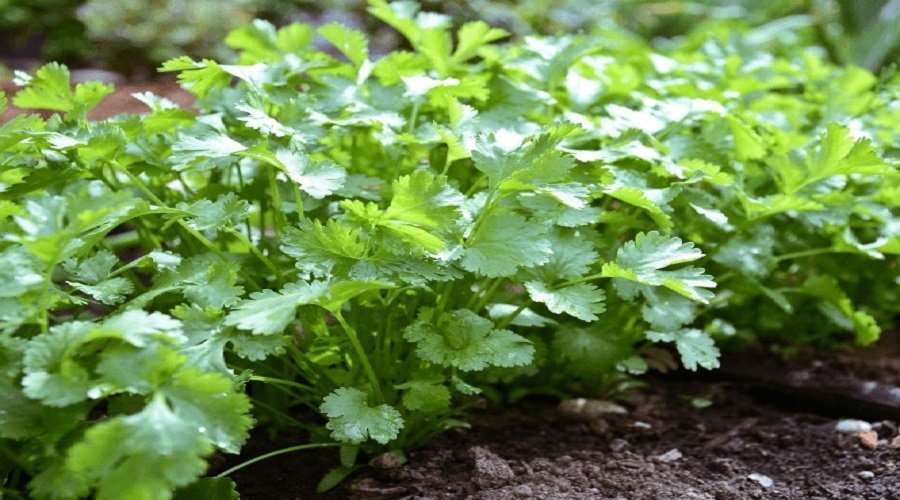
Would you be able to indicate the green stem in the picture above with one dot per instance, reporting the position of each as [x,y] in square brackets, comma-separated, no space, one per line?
[276,453]
[199,237]
[412,120]
[255,251]
[490,293]
[513,315]
[578,280]
[278,213]
[278,381]
[474,298]
[443,299]
[363,358]
[804,253]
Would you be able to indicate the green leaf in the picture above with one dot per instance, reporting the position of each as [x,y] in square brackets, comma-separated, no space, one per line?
[200,78]
[696,347]
[747,143]
[638,197]
[423,205]
[837,307]
[208,488]
[317,179]
[464,340]
[351,43]
[332,249]
[837,154]
[643,259]
[227,211]
[269,312]
[352,420]
[49,89]
[204,279]
[471,37]
[582,300]
[429,396]
[190,151]
[503,243]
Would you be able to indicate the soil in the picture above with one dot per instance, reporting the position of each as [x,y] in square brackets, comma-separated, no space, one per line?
[762,437]
[752,442]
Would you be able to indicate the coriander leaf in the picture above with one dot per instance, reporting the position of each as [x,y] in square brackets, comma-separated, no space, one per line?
[464,340]
[428,396]
[582,300]
[591,352]
[643,259]
[352,420]
[51,375]
[503,243]
[839,309]
[94,269]
[204,279]
[109,292]
[471,37]
[638,197]
[747,143]
[200,78]
[666,310]
[421,206]
[696,347]
[189,152]
[269,312]
[837,154]
[317,179]
[351,43]
[332,249]
[342,291]
[227,211]
[49,89]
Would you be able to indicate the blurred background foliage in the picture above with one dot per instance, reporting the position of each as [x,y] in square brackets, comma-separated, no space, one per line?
[134,36]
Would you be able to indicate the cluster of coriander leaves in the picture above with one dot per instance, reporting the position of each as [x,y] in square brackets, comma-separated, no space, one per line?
[376,239]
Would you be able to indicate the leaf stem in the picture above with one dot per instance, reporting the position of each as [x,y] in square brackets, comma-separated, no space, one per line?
[255,251]
[513,315]
[805,253]
[276,453]
[361,353]
[487,295]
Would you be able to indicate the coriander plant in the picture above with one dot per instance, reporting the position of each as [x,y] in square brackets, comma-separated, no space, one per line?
[376,241]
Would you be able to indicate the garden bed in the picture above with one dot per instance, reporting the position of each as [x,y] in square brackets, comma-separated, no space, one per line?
[664,448]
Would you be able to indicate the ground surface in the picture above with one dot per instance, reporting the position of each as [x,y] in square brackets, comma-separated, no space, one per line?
[742,446]
[751,442]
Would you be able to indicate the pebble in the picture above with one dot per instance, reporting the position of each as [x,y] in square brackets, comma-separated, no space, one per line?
[618,445]
[523,490]
[867,439]
[851,426]
[669,456]
[867,474]
[895,443]
[589,409]
[764,481]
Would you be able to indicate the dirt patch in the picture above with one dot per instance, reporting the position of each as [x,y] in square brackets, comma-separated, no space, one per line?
[120,102]
[739,447]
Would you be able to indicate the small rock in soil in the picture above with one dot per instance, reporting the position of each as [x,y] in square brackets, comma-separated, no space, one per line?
[868,439]
[764,481]
[895,443]
[851,426]
[669,456]
[489,468]
[867,474]
[618,445]
[589,409]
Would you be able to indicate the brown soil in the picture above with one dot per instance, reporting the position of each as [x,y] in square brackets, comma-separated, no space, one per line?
[743,446]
